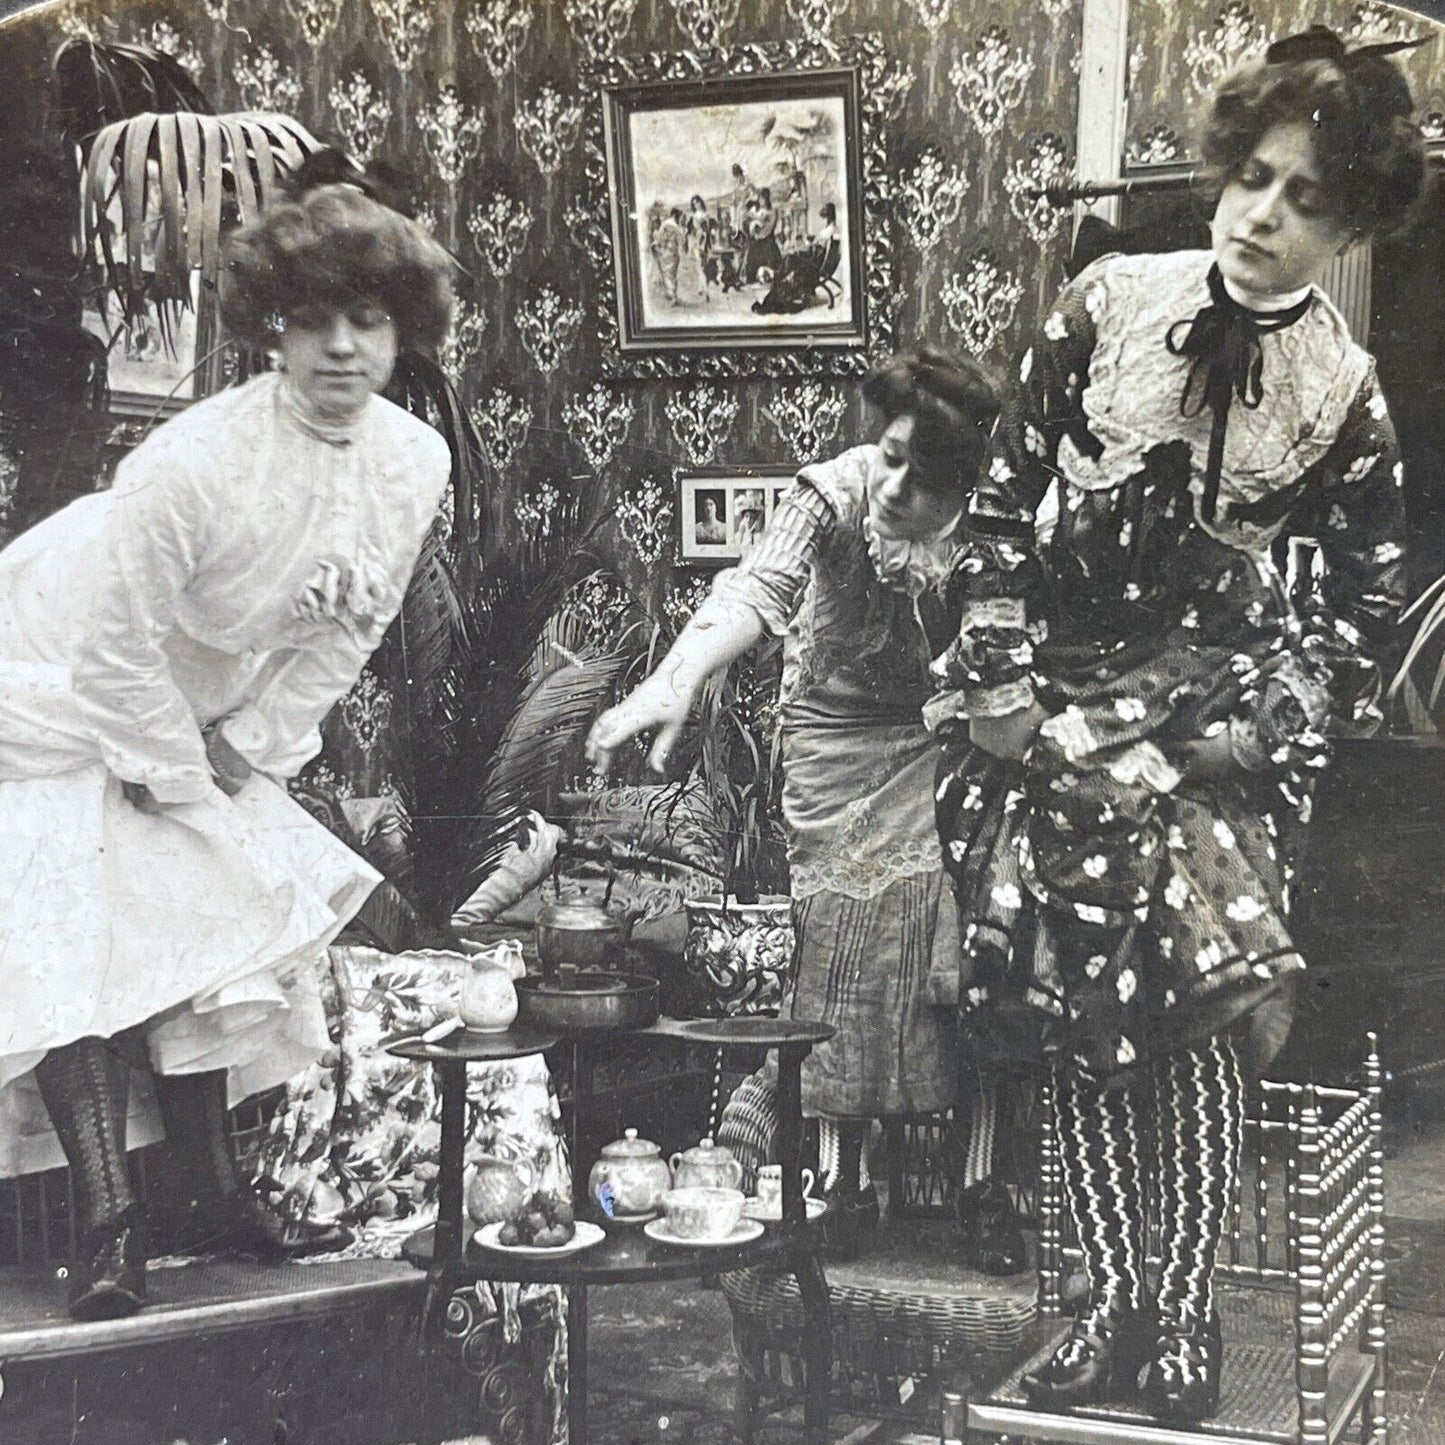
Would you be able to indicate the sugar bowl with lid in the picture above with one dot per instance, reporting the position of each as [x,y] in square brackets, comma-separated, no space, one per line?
[707,1165]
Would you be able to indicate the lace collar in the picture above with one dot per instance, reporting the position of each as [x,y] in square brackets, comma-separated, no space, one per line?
[910,565]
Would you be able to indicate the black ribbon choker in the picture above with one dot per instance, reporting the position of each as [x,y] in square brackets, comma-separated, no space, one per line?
[1222,344]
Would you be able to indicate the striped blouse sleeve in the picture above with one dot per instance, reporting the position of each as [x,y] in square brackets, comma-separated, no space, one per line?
[771,578]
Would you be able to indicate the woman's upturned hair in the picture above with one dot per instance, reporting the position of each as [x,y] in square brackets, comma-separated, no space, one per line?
[954,402]
[334,244]
[1369,150]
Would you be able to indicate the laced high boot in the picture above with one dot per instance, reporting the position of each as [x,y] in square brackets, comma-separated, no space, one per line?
[85,1088]
[1108,1344]
[993,1243]
[218,1214]
[852,1218]
[1200,1110]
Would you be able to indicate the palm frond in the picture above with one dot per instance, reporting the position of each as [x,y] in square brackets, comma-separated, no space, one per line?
[1427,639]
[543,732]
[177,170]
[94,83]
[419,384]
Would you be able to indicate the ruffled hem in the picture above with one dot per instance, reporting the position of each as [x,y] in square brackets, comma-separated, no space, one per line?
[207,922]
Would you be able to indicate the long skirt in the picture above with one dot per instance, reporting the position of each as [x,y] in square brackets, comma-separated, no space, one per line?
[874,917]
[207,924]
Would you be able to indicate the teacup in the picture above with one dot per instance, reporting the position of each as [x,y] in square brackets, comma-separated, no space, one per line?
[770,1187]
[699,1212]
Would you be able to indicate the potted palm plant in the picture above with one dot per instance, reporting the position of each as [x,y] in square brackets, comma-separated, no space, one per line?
[740,940]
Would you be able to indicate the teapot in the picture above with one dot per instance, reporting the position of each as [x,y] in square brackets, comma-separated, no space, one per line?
[582,932]
[630,1178]
[707,1165]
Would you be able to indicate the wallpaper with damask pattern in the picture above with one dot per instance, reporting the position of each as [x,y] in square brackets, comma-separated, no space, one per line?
[1178,50]
[482,102]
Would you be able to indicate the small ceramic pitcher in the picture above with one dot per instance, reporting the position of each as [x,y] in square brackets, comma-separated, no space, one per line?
[706,1165]
[488,997]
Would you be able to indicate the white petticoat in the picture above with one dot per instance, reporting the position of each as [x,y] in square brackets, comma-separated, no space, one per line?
[211,919]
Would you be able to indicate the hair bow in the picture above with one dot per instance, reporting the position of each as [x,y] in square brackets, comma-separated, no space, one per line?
[1319,42]
[331,166]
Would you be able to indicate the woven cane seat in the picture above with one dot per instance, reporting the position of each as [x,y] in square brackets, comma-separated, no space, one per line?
[900,1310]
[1257,1402]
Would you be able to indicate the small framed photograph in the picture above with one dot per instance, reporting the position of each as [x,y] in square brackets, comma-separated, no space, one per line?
[747,216]
[723,511]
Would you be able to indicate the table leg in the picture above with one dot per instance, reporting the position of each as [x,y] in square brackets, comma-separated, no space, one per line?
[812,1285]
[788,1140]
[577,1364]
[448,1240]
[817,1342]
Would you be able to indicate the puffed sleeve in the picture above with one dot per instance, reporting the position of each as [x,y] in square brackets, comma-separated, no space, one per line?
[1333,677]
[772,577]
[154,542]
[998,583]
[279,730]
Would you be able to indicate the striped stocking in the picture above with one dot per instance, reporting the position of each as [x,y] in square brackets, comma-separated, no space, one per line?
[1200,1107]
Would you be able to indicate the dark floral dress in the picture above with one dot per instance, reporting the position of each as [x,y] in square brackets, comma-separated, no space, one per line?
[1110,909]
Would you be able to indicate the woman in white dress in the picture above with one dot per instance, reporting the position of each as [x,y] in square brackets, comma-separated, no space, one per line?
[168,650]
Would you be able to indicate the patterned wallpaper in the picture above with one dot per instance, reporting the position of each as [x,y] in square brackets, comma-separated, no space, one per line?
[482,100]
[1177,52]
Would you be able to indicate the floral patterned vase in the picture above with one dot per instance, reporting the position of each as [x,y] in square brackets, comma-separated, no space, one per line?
[741,954]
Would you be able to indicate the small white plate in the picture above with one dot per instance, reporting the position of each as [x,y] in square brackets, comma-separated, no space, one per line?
[743,1231]
[586,1236]
[754,1208]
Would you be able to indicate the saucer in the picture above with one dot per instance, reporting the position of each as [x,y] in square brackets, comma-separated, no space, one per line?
[743,1231]
[584,1237]
[754,1208]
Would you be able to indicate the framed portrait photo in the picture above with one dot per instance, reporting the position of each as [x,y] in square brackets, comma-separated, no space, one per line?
[745,216]
[722,511]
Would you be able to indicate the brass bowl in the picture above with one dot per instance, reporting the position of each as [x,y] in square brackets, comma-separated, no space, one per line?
[586,999]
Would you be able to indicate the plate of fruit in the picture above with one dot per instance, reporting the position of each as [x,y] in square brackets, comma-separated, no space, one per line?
[544,1224]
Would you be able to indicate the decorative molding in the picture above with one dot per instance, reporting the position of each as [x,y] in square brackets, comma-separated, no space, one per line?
[1103,100]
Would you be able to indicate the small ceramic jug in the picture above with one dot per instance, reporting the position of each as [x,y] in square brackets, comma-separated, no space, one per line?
[630,1178]
[496,1187]
[708,1166]
[488,999]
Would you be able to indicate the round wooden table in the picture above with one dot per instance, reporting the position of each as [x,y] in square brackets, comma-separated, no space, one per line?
[626,1255]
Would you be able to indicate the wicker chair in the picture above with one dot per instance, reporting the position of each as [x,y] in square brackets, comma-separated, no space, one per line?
[905,1311]
[1304,1257]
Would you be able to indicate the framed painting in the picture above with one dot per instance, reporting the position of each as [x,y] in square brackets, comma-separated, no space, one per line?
[722,511]
[745,228]
[153,361]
